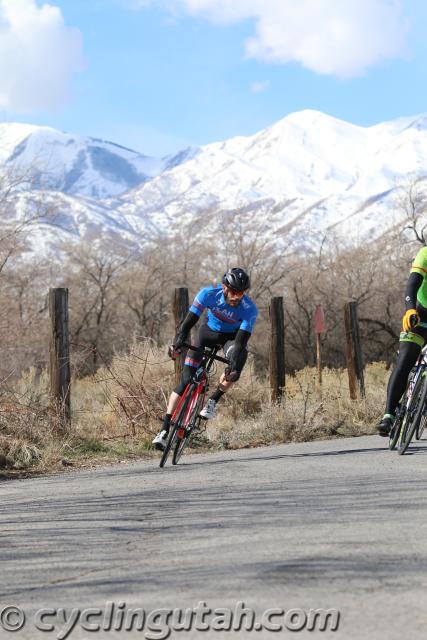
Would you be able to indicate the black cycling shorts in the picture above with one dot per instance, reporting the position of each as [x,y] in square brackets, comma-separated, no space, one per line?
[207,337]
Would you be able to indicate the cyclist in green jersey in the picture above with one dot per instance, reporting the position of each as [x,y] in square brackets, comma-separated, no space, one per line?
[412,338]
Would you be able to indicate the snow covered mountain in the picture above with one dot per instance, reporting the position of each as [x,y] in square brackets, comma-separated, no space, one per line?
[77,165]
[309,172]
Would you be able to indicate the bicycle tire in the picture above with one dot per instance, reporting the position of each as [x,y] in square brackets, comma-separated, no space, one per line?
[168,447]
[418,417]
[183,442]
[176,425]
[421,422]
[413,414]
[395,430]
[420,428]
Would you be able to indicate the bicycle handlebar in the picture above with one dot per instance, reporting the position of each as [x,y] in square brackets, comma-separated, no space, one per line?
[203,351]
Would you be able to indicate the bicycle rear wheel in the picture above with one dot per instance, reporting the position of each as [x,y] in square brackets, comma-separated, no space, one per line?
[413,414]
[193,423]
[420,428]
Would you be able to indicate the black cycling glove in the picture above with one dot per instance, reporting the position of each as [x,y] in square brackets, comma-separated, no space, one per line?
[180,339]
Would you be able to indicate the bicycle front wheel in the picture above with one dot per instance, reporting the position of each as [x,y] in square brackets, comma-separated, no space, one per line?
[176,425]
[170,443]
[413,414]
[397,425]
[193,422]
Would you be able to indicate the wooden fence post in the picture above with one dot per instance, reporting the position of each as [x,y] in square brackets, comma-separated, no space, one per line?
[319,328]
[277,349]
[60,377]
[353,351]
[180,310]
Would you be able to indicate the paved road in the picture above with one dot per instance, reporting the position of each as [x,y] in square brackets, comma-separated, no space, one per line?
[335,524]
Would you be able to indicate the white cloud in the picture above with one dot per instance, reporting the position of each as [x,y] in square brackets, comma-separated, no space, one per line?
[335,37]
[38,55]
[260,87]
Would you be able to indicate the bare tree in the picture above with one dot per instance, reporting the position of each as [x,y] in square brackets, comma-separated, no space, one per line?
[148,284]
[95,299]
[412,200]
[20,211]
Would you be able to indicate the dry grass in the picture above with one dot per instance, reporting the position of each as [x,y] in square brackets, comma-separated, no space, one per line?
[117,412]
[249,420]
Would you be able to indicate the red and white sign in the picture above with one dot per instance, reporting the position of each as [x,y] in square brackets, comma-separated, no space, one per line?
[319,319]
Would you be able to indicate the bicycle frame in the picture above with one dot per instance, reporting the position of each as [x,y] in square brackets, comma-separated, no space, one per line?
[186,414]
[200,379]
[200,389]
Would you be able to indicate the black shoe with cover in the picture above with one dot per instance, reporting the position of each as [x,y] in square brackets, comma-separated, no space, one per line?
[384,426]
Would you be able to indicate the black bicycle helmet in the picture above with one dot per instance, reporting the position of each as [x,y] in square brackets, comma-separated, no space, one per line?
[237,279]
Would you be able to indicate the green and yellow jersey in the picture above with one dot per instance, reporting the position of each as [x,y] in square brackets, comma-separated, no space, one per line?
[420,266]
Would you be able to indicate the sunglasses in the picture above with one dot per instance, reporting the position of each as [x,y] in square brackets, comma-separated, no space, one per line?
[234,292]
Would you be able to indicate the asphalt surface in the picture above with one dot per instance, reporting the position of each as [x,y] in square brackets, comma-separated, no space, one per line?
[339,524]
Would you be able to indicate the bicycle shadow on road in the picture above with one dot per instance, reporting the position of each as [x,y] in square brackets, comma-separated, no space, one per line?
[316,454]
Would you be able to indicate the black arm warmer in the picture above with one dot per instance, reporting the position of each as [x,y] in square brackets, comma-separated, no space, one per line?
[240,342]
[415,281]
[188,323]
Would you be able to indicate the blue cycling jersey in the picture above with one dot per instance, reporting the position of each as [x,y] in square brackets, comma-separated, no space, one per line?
[222,316]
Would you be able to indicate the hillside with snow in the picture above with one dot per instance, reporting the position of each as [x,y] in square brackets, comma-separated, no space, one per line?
[308,173]
[77,165]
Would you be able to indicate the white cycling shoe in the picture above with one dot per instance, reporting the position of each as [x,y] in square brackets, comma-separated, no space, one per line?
[160,440]
[208,410]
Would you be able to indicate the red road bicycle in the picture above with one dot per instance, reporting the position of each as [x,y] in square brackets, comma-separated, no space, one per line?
[186,419]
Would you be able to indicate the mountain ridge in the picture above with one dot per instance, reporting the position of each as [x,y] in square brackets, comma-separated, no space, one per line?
[308,169]
[78,165]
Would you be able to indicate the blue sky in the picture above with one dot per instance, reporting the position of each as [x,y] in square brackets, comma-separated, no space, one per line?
[158,75]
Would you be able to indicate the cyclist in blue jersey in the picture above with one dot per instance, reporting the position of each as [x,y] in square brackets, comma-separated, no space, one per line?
[231,316]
